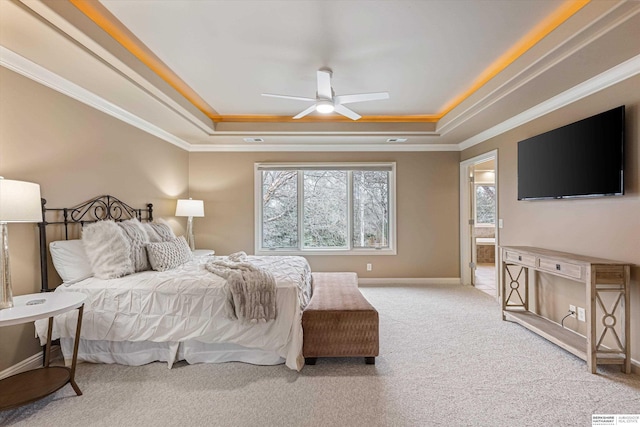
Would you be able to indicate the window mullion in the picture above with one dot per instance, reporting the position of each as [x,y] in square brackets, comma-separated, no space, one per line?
[300,209]
[261,212]
[350,210]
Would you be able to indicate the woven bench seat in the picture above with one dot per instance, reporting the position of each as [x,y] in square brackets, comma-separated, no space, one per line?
[339,321]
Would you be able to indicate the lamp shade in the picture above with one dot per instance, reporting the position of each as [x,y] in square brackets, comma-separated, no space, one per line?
[190,207]
[19,201]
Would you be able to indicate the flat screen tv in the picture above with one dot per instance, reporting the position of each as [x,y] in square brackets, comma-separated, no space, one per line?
[583,159]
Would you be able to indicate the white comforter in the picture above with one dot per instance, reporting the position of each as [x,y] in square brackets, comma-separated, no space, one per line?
[188,303]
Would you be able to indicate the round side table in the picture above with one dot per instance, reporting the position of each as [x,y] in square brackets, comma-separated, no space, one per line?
[27,387]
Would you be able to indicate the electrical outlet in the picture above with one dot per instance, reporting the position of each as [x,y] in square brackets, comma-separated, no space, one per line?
[368,267]
[573,309]
[500,223]
[581,314]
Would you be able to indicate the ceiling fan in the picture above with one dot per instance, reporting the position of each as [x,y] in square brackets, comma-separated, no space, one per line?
[327,102]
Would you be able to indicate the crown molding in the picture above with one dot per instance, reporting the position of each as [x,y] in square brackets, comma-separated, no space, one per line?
[601,26]
[602,81]
[39,74]
[196,117]
[199,148]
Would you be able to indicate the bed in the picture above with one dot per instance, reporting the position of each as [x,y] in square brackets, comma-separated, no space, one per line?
[172,315]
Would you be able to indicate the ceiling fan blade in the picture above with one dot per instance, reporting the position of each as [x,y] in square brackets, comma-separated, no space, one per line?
[296,98]
[341,109]
[305,112]
[324,84]
[345,99]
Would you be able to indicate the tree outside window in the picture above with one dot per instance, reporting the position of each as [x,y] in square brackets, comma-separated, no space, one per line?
[327,208]
[485,204]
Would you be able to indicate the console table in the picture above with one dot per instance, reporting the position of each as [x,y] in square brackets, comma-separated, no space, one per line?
[27,387]
[600,277]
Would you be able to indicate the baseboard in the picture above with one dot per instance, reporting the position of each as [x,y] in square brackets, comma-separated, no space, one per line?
[417,281]
[635,366]
[30,363]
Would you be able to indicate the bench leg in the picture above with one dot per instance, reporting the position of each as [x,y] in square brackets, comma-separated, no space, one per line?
[310,360]
[370,360]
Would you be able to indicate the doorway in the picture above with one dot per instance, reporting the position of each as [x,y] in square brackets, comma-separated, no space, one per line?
[479,222]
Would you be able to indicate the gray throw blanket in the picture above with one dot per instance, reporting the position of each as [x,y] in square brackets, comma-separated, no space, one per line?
[251,291]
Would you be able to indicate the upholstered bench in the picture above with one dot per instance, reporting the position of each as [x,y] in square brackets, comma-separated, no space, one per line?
[339,321]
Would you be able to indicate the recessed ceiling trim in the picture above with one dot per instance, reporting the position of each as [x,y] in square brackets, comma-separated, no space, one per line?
[39,74]
[602,81]
[192,114]
[196,148]
[337,133]
[21,65]
[111,25]
[337,118]
[539,67]
[540,31]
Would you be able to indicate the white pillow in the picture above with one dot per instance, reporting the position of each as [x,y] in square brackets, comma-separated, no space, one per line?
[167,255]
[158,232]
[137,236]
[108,250]
[70,260]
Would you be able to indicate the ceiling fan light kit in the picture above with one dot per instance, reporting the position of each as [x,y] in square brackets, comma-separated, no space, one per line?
[325,107]
[326,102]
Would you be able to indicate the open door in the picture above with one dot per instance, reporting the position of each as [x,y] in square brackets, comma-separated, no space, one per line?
[479,223]
[472,227]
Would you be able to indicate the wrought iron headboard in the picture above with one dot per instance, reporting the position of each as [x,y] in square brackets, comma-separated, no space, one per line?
[98,209]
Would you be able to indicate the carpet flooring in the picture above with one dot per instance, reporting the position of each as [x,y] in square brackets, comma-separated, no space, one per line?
[446,359]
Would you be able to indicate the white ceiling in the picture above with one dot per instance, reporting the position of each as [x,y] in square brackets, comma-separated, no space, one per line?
[423,53]
[429,55]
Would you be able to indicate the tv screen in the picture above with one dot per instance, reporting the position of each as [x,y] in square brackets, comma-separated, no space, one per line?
[583,159]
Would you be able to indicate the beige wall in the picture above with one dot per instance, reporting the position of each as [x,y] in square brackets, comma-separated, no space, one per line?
[75,153]
[602,227]
[427,210]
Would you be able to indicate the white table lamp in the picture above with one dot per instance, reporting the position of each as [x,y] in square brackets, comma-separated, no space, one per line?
[19,202]
[190,208]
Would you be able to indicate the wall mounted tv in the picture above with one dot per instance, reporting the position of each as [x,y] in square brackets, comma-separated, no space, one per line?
[583,159]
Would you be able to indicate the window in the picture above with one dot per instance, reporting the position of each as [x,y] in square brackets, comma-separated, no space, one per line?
[325,208]
[485,204]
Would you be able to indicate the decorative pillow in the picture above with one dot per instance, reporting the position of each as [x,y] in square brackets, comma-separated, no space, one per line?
[108,250]
[158,232]
[167,255]
[70,260]
[138,238]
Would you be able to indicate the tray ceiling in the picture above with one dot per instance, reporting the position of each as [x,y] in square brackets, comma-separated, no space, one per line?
[450,67]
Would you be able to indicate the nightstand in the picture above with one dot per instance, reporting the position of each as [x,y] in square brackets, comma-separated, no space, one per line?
[204,252]
[27,387]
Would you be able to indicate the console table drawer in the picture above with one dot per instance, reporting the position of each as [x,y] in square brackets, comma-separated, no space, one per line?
[561,267]
[520,258]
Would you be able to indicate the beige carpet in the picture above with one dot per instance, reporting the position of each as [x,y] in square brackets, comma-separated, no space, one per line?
[446,360]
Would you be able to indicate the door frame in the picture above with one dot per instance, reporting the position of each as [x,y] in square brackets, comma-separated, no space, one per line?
[465,210]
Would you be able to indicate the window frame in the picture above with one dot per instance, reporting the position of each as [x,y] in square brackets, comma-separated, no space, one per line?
[475,203]
[349,250]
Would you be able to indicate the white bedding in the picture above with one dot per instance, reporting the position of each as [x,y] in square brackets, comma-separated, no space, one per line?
[186,305]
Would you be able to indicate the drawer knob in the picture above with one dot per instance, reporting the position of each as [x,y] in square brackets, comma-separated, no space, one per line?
[519,257]
[558,267]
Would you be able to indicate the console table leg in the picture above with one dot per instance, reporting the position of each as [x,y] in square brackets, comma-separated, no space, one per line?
[592,364]
[627,319]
